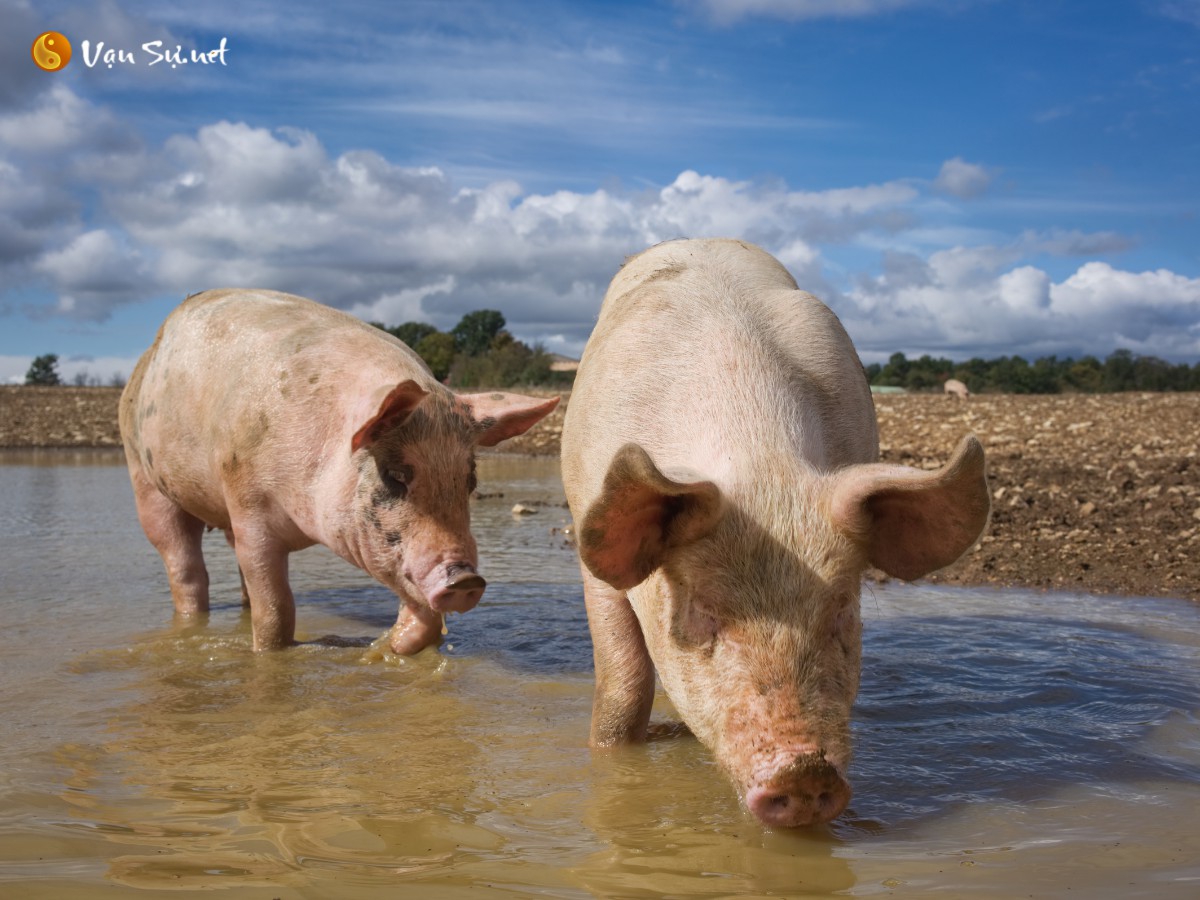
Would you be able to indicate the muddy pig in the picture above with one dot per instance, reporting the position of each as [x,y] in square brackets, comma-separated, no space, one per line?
[719,457]
[286,423]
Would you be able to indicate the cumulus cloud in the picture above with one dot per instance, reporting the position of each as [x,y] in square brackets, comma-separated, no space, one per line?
[235,205]
[974,301]
[962,179]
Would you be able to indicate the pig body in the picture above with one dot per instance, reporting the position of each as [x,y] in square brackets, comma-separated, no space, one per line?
[286,423]
[719,459]
[956,388]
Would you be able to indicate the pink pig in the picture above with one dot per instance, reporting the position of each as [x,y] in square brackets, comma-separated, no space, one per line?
[719,458]
[286,424]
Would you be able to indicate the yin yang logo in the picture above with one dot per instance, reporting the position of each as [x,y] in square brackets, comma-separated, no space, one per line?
[51,51]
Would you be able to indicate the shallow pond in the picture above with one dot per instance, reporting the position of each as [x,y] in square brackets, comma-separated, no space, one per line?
[1009,744]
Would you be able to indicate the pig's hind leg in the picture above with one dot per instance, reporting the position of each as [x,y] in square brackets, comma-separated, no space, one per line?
[624,670]
[177,535]
[263,564]
[241,574]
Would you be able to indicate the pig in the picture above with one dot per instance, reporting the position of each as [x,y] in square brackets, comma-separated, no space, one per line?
[719,456]
[287,423]
[956,388]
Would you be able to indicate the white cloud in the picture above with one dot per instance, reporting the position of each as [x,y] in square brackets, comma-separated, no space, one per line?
[970,302]
[404,305]
[1181,10]
[962,179]
[234,205]
[93,272]
[727,11]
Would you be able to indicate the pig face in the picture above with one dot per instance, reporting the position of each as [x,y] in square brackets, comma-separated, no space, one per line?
[748,601]
[415,461]
[757,640]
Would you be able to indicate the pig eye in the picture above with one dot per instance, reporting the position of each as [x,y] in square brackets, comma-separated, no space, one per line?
[472,481]
[396,480]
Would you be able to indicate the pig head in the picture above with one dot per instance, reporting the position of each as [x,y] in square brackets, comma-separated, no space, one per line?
[414,465]
[719,460]
[749,605]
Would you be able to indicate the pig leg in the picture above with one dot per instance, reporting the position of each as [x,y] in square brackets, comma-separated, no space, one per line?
[624,670]
[263,562]
[416,628]
[241,575]
[177,536]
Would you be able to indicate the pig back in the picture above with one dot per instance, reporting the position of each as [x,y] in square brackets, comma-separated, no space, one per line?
[260,381]
[708,355]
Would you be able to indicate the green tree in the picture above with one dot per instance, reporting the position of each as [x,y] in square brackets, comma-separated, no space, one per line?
[44,370]
[438,349]
[1083,375]
[412,333]
[476,331]
[895,373]
[1118,371]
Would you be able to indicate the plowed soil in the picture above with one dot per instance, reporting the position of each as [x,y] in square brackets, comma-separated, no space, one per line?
[1096,493]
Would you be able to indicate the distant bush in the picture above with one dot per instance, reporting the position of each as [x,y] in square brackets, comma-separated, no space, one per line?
[478,352]
[44,370]
[1121,371]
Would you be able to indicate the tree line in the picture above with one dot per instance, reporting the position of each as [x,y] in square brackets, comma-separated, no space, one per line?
[480,352]
[1122,370]
[477,352]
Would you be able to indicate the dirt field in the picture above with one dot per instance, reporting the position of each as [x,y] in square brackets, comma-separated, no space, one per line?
[1092,493]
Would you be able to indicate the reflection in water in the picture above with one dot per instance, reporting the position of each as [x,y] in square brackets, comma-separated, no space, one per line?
[1008,743]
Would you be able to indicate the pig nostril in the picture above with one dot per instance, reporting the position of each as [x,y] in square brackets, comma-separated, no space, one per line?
[778,803]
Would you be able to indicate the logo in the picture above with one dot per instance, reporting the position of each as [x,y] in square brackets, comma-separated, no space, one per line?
[51,51]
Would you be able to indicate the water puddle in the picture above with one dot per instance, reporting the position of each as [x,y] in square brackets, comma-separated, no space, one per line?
[1008,743]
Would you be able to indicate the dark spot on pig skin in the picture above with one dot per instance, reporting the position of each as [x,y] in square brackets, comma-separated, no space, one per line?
[382,497]
[314,378]
[591,538]
[666,273]
[149,458]
[393,537]
[257,432]
[486,423]
[497,396]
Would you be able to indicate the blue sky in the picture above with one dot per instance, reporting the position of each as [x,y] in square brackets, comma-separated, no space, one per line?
[957,177]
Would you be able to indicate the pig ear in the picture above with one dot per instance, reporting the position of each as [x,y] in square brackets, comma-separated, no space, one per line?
[639,515]
[913,521]
[393,408]
[499,416]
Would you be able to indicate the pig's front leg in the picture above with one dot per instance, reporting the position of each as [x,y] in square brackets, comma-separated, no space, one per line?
[263,561]
[624,670]
[416,628]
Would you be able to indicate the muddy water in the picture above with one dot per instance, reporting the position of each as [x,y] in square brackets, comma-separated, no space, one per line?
[1009,744]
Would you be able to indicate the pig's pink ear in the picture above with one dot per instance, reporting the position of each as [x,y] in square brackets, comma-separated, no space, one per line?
[393,408]
[499,416]
[911,521]
[639,515]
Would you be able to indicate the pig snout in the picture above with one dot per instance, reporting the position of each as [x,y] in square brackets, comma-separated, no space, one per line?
[457,589]
[807,790]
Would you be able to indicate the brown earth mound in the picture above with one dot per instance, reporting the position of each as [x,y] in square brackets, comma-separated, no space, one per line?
[1090,493]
